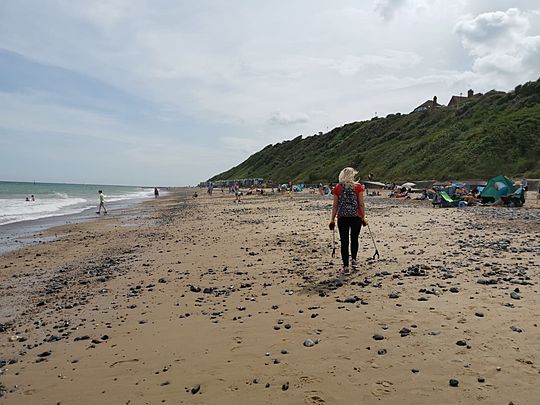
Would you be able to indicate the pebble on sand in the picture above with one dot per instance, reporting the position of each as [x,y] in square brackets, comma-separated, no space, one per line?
[309,343]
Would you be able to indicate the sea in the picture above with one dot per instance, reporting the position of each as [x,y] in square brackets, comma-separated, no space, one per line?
[58,199]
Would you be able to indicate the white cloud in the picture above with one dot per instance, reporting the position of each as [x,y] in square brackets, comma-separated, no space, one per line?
[283,118]
[387,8]
[244,74]
[503,52]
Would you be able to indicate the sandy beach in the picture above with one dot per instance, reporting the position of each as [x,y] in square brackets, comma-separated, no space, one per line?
[185,300]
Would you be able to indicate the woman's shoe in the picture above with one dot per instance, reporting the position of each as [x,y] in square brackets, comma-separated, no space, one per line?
[345,270]
[354,264]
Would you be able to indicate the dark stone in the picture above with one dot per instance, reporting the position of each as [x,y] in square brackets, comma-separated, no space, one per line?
[454,290]
[45,354]
[514,295]
[381,352]
[461,343]
[481,379]
[486,281]
[196,389]
[404,332]
[416,270]
[285,386]
[453,382]
[378,337]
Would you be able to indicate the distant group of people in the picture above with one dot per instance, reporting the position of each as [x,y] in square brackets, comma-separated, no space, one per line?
[400,192]
[102,200]
[31,198]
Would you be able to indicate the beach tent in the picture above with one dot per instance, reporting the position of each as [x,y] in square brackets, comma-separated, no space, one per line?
[489,192]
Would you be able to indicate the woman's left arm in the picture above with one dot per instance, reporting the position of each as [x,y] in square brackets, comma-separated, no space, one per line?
[361,204]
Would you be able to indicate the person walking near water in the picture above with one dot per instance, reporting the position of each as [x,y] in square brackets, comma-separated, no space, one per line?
[101,203]
[350,210]
[156,192]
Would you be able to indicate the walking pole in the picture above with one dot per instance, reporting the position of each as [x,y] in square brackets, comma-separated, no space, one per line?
[333,243]
[373,239]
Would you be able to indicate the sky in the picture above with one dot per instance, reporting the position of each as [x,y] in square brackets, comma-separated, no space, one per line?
[172,92]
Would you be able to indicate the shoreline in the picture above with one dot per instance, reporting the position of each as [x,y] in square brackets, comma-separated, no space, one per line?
[16,235]
[122,306]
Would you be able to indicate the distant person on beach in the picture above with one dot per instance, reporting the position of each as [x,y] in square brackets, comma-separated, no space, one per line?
[101,203]
[32,197]
[350,210]
[237,194]
[27,199]
[156,192]
[502,192]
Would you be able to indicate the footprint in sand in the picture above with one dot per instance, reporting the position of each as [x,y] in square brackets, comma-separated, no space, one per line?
[382,388]
[314,398]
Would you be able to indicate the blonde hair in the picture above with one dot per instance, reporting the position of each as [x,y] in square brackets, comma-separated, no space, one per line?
[347,176]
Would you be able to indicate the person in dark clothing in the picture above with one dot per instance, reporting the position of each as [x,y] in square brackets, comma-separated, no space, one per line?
[350,210]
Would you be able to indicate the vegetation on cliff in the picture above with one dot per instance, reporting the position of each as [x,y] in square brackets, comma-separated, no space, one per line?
[496,133]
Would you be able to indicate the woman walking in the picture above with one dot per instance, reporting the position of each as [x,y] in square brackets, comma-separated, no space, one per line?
[350,210]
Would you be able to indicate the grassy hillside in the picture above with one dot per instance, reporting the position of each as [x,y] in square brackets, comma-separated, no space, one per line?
[497,133]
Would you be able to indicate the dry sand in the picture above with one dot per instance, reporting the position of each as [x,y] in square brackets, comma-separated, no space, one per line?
[204,301]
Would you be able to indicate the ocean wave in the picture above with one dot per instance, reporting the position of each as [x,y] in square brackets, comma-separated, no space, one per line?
[57,204]
[61,195]
[15,210]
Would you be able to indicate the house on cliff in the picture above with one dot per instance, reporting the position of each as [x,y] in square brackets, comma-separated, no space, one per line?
[456,101]
[428,105]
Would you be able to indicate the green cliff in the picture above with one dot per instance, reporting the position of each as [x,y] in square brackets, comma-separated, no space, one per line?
[495,133]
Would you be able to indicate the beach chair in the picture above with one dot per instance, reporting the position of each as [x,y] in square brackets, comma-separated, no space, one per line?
[447,201]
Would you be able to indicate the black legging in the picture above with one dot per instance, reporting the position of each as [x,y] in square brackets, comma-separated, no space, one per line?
[344,224]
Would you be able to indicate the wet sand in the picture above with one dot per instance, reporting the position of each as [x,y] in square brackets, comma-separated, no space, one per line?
[205,301]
